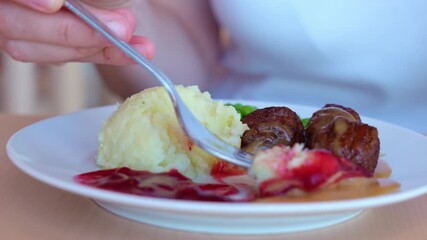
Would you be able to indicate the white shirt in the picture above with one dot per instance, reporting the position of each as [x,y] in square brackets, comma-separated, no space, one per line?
[370,55]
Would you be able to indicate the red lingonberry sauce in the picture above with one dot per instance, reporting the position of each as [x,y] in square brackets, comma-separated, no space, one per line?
[170,184]
[318,168]
[223,169]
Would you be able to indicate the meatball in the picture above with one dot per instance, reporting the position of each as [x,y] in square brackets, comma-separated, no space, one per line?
[341,131]
[271,126]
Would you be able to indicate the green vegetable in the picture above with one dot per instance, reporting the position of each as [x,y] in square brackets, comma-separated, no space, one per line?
[243,110]
[305,121]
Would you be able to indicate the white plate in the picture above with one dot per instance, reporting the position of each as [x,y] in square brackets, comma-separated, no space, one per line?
[57,149]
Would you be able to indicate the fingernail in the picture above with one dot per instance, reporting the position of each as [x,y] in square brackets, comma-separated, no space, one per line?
[118,28]
[148,50]
[48,6]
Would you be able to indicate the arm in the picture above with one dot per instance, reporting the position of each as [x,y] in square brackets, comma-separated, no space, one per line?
[185,35]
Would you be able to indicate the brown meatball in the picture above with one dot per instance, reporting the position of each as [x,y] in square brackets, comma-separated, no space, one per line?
[271,126]
[340,130]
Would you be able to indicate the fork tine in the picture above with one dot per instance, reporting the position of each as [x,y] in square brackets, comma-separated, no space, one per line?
[210,142]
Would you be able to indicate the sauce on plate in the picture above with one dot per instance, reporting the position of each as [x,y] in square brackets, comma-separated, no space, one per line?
[174,185]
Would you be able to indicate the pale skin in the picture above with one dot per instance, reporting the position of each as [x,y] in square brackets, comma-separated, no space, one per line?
[181,37]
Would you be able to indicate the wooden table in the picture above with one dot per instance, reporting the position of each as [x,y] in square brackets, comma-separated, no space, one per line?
[33,210]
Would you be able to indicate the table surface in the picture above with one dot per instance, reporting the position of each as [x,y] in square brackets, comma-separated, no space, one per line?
[33,210]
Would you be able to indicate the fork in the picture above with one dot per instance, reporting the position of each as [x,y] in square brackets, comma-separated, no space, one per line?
[194,129]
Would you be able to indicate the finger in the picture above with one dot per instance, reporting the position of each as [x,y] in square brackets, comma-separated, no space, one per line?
[113,55]
[46,6]
[25,51]
[44,53]
[62,28]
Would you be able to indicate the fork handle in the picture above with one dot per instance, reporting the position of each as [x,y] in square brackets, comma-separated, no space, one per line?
[79,10]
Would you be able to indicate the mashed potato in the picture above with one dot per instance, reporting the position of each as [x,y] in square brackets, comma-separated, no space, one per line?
[144,134]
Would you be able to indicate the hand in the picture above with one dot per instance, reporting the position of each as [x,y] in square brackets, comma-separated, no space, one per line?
[41,31]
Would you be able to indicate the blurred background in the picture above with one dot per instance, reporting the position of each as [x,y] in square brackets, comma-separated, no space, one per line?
[27,88]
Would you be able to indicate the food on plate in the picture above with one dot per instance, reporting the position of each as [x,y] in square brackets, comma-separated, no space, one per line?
[242,109]
[144,151]
[295,171]
[271,126]
[170,184]
[144,133]
[340,130]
